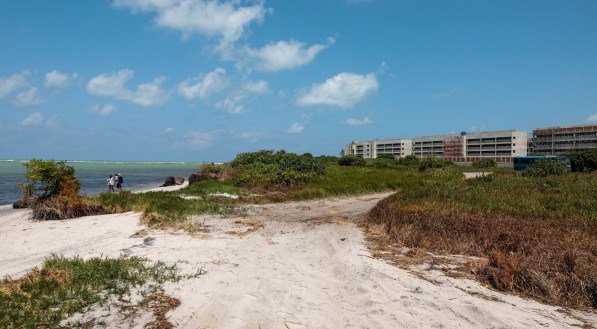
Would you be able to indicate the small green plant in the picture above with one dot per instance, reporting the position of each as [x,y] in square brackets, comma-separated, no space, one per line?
[408,161]
[485,163]
[351,160]
[546,167]
[64,286]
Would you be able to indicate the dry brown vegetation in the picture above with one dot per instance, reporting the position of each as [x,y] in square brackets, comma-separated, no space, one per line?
[550,259]
[67,204]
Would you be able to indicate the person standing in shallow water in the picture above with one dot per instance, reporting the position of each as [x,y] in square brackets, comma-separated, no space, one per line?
[119,181]
[111,182]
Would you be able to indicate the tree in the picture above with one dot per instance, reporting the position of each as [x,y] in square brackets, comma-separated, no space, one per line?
[46,178]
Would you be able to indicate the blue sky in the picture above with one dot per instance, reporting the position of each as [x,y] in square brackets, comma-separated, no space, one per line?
[202,80]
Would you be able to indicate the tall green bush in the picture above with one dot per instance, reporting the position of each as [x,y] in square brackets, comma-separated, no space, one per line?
[408,161]
[45,178]
[351,160]
[546,167]
[583,160]
[268,168]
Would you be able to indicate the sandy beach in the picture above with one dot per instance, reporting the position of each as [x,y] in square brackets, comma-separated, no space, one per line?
[306,266]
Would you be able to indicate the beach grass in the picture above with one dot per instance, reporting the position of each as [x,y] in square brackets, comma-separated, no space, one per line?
[536,235]
[64,286]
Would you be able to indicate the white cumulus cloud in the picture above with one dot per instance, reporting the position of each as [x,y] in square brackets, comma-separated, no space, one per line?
[13,83]
[103,111]
[34,119]
[203,85]
[28,98]
[225,20]
[59,80]
[296,128]
[112,85]
[232,105]
[343,90]
[283,55]
[358,122]
[592,118]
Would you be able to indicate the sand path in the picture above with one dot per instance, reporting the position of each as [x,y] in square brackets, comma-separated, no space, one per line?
[307,267]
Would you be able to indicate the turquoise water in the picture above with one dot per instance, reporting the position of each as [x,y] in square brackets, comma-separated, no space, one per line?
[93,175]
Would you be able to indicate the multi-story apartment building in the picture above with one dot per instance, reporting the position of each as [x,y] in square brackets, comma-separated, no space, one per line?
[397,147]
[558,140]
[372,149]
[497,143]
[464,148]
[431,146]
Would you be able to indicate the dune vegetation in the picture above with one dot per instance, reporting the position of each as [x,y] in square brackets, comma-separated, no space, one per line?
[535,231]
[536,235]
[62,287]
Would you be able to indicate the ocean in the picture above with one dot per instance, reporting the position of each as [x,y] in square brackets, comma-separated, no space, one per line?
[93,175]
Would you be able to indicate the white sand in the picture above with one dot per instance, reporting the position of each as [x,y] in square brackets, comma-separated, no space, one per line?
[308,267]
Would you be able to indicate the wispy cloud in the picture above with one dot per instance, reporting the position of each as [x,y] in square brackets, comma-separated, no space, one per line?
[200,139]
[103,111]
[358,122]
[113,85]
[29,97]
[592,118]
[34,119]
[204,85]
[13,83]
[296,128]
[284,55]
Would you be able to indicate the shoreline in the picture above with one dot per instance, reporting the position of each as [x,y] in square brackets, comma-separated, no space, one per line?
[4,208]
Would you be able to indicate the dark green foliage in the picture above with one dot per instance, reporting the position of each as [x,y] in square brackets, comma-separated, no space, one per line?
[485,163]
[271,169]
[44,178]
[383,162]
[583,160]
[351,160]
[386,156]
[327,159]
[65,286]
[409,160]
[433,163]
[546,167]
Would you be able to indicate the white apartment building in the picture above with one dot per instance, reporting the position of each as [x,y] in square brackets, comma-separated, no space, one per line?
[463,148]
[399,147]
[503,143]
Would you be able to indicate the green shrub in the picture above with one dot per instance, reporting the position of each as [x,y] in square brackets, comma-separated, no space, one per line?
[409,160]
[485,163]
[351,160]
[45,178]
[386,156]
[383,162]
[546,167]
[583,160]
[327,159]
[434,163]
[269,168]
